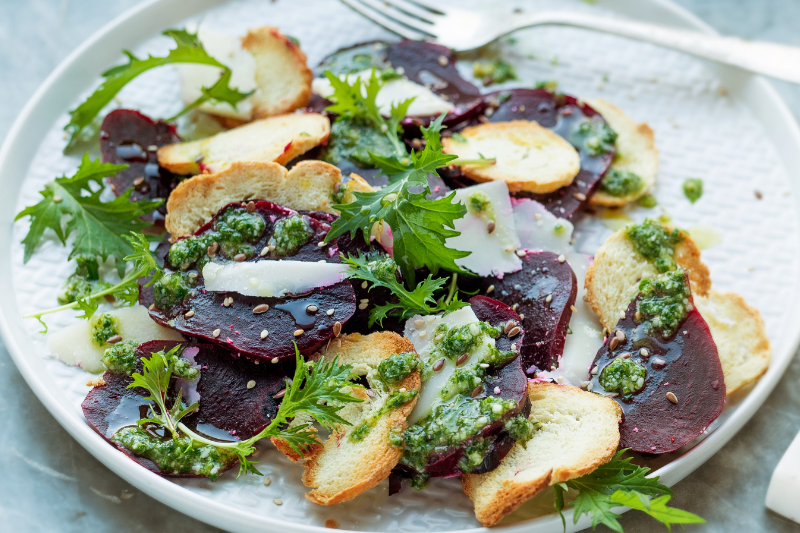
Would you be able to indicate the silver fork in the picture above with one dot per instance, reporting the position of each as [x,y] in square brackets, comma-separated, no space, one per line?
[464,30]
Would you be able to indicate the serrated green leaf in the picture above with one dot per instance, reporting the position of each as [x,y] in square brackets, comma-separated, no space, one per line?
[656,507]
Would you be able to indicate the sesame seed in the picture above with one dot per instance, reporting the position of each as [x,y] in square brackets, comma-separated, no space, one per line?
[658,363]
[562,258]
[522,316]
[625,355]
[151,307]
[579,196]
[264,334]
[251,384]
[419,323]
[423,333]
[363,306]
[277,501]
[484,365]
[370,393]
[152,148]
[513,332]
[216,332]
[330,312]
[622,314]
[595,370]
[280,394]
[239,257]
[513,347]
[337,328]
[189,313]
[508,325]
[521,253]
[443,61]
[364,300]
[113,339]
[585,384]
[548,298]
[403,389]
[138,181]
[671,397]
[489,289]
[573,308]
[57,199]
[271,247]
[264,252]
[537,216]
[644,353]
[298,332]
[613,344]
[620,335]
[515,307]
[212,250]
[476,391]
[430,319]
[321,244]
[251,207]
[462,359]
[438,365]
[262,308]
[490,226]
[364,285]
[267,481]
[274,360]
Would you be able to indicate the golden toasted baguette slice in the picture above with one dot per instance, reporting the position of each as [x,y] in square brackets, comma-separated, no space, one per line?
[310,185]
[612,280]
[529,157]
[740,336]
[278,139]
[636,153]
[343,467]
[282,76]
[578,431]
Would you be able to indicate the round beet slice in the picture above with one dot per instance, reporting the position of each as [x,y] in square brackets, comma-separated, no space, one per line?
[129,137]
[228,409]
[562,114]
[544,291]
[686,365]
[240,329]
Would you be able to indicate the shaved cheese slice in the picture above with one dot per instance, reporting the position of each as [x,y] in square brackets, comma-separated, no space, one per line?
[421,330]
[784,487]
[394,91]
[493,253]
[74,346]
[228,50]
[539,229]
[586,335]
[272,278]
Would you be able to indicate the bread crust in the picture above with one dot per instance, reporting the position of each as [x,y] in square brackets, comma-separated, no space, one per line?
[636,152]
[740,335]
[578,432]
[308,186]
[612,280]
[554,162]
[340,470]
[271,48]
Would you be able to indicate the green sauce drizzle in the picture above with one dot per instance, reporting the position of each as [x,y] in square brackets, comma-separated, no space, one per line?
[398,366]
[120,358]
[664,302]
[455,341]
[83,282]
[693,189]
[623,376]
[593,135]
[104,327]
[620,183]
[355,140]
[395,399]
[290,234]
[173,287]
[655,243]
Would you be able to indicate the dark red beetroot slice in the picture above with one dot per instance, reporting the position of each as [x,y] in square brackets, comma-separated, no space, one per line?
[227,406]
[545,323]
[240,327]
[686,365]
[125,138]
[559,113]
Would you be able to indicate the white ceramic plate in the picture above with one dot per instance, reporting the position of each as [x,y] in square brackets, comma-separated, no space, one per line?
[738,140]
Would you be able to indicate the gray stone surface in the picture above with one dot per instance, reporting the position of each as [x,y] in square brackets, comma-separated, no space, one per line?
[49,483]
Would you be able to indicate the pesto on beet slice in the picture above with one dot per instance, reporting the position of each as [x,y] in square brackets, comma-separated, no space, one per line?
[576,122]
[235,399]
[661,365]
[262,232]
[131,138]
[544,291]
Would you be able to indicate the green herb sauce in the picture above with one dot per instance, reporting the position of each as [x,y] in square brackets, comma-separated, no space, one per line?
[647,201]
[452,342]
[521,428]
[84,282]
[384,268]
[289,234]
[398,366]
[355,140]
[176,456]
[479,202]
[693,189]
[623,376]
[395,399]
[120,358]
[173,287]
[620,183]
[593,135]
[497,71]
[664,302]
[547,85]
[104,327]
[655,243]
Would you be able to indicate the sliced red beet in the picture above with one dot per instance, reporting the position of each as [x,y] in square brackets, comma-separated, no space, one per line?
[240,328]
[545,322]
[127,137]
[228,409]
[687,365]
[559,113]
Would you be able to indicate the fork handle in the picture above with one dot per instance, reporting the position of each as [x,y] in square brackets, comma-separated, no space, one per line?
[776,60]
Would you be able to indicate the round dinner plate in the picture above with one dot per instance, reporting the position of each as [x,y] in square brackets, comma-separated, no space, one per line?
[710,121]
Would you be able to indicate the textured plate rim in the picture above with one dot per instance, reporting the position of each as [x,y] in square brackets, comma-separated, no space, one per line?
[80,69]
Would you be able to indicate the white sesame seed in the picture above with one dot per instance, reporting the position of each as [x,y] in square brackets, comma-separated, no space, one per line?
[267,481]
[330,312]
[277,501]
[644,352]
[430,318]
[548,298]
[443,61]
[189,313]
[151,306]
[298,332]
[573,308]
[484,365]
[538,216]
[521,253]
[419,323]
[364,300]
[622,314]
[562,258]
[522,316]
[216,332]
[364,285]
[265,251]
[251,384]
[423,333]
[363,306]
[489,289]
[264,334]
[274,360]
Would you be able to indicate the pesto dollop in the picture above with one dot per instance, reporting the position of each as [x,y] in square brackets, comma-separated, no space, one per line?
[120,358]
[355,140]
[395,368]
[693,189]
[83,282]
[655,243]
[620,183]
[452,342]
[395,399]
[289,234]
[479,202]
[623,376]
[664,302]
[176,456]
[173,287]
[103,328]
[594,135]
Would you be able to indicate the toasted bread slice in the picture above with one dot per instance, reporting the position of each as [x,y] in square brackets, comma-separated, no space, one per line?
[636,153]
[278,139]
[308,186]
[343,468]
[288,451]
[528,157]
[282,76]
[612,280]
[578,431]
[740,336]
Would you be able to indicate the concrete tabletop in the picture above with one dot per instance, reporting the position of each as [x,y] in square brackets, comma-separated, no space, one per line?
[49,483]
